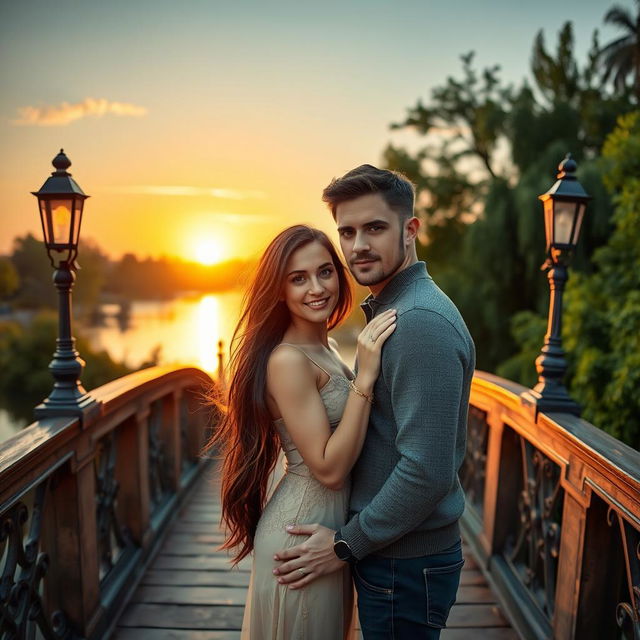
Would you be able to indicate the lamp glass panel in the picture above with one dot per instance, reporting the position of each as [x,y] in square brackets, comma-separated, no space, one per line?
[46,226]
[576,232]
[564,213]
[61,221]
[548,220]
[77,219]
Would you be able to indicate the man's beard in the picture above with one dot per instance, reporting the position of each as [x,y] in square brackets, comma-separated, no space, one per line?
[380,277]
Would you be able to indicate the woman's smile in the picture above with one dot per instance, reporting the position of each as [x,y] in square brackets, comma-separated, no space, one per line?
[318,304]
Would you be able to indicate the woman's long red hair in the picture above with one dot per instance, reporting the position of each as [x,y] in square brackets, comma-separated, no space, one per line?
[245,437]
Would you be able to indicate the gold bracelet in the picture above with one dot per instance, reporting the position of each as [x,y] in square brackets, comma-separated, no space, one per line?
[368,397]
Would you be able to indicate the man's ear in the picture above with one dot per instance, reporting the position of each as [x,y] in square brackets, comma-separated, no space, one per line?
[411,228]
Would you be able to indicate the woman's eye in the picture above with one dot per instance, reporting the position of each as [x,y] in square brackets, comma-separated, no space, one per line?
[326,273]
[297,279]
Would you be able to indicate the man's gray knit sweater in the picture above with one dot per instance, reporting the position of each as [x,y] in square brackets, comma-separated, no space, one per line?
[406,497]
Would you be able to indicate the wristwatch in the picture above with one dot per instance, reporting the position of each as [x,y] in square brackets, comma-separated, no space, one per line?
[342,549]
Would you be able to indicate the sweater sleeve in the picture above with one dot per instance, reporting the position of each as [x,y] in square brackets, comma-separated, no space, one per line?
[423,369]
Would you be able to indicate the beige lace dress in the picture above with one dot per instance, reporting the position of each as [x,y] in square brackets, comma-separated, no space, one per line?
[322,610]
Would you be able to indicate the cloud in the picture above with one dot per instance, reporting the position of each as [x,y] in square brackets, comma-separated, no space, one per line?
[172,190]
[63,114]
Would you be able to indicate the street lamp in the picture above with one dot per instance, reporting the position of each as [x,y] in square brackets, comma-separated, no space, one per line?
[564,206]
[61,201]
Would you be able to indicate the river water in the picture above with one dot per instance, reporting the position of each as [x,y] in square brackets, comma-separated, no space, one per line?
[183,331]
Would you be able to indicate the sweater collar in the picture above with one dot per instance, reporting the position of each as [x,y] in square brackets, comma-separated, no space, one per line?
[394,288]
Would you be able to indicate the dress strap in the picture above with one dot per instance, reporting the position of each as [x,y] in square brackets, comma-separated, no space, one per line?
[299,348]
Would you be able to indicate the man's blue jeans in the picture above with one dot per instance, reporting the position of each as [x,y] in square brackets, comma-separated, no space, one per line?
[407,598]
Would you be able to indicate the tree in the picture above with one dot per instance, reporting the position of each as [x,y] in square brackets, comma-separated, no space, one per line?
[35,272]
[9,279]
[559,78]
[91,277]
[602,310]
[32,264]
[477,189]
[25,353]
[621,57]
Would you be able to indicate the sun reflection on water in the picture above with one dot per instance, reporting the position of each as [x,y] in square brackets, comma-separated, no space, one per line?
[208,314]
[186,330]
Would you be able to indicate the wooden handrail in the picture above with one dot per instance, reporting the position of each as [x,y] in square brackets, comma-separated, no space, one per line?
[84,505]
[554,513]
[553,508]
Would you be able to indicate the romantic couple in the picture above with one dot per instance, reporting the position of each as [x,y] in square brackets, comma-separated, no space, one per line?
[371,489]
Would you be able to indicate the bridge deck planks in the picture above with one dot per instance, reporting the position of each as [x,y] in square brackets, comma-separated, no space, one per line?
[190,592]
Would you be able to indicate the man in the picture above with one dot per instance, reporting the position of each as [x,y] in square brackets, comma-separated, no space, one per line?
[402,537]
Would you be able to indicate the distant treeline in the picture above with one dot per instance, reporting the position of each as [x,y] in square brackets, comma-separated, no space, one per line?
[25,276]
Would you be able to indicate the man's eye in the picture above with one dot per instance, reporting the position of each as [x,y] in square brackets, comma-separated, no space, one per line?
[376,227]
[346,233]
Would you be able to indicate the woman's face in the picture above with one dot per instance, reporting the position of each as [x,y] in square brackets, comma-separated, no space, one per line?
[311,284]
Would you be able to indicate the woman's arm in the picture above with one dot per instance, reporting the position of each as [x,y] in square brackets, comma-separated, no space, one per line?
[291,381]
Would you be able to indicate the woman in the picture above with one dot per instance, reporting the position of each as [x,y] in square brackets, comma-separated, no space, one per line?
[289,389]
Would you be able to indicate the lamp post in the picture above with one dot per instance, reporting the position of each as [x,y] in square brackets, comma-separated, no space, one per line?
[61,202]
[564,206]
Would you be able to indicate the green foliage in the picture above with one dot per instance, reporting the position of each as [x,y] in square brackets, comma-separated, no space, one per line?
[25,353]
[32,264]
[558,78]
[483,225]
[9,279]
[36,289]
[527,329]
[602,310]
[91,277]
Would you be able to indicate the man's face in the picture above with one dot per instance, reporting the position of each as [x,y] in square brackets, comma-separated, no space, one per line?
[374,240]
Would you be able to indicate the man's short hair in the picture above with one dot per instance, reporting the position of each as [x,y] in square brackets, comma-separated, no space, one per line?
[396,189]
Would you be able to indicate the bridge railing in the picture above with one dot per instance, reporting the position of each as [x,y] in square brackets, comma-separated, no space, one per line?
[553,512]
[83,506]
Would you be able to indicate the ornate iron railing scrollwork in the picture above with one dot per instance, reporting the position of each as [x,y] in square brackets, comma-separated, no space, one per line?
[628,613]
[21,607]
[158,481]
[551,482]
[117,468]
[473,472]
[112,537]
[534,549]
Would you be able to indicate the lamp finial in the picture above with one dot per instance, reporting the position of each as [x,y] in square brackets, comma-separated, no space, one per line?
[61,162]
[567,168]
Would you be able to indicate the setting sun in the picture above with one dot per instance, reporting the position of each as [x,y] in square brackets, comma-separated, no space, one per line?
[208,251]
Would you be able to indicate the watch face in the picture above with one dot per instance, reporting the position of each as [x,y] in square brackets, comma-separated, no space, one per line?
[342,550]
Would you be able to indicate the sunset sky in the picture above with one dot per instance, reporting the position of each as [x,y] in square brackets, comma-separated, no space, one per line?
[204,127]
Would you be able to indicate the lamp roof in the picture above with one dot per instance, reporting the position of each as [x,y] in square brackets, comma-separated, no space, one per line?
[60,183]
[566,186]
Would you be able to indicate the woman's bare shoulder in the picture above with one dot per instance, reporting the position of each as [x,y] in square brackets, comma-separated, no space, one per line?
[287,360]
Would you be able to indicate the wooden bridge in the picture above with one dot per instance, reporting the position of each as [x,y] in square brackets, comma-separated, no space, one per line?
[109,526]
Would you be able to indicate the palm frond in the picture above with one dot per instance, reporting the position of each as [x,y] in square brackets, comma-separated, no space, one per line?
[625,41]
[620,17]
